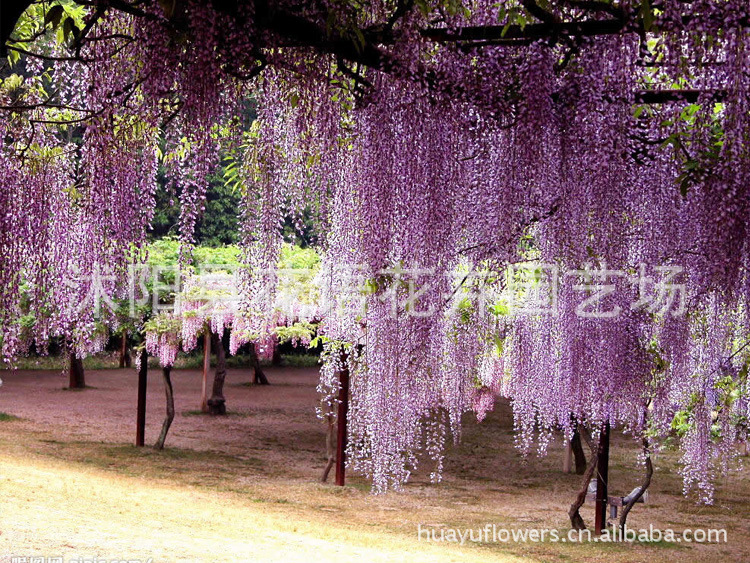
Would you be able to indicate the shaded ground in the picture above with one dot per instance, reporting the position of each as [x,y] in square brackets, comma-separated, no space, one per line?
[276,423]
[244,487]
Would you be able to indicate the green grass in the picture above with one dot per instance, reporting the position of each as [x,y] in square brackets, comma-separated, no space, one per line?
[99,361]
[485,481]
[5,417]
[192,361]
[300,361]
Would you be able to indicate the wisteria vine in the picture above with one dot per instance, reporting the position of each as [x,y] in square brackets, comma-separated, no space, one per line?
[589,140]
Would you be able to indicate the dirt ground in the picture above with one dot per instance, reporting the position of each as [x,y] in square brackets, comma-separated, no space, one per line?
[275,423]
[245,487]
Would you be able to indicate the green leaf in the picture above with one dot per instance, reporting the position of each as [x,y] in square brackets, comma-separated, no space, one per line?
[70,28]
[692,165]
[647,15]
[168,6]
[53,16]
[684,185]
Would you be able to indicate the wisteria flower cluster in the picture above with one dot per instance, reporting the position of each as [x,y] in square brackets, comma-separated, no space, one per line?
[424,136]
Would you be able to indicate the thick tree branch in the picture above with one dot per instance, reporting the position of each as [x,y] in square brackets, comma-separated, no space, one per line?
[369,50]
[10,11]
[642,489]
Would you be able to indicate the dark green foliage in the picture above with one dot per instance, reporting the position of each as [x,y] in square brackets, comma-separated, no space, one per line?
[217,226]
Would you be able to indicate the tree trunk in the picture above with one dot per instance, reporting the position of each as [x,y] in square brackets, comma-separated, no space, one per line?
[125,360]
[578,453]
[330,449]
[217,403]
[206,368]
[276,359]
[76,376]
[170,409]
[644,486]
[259,377]
[576,521]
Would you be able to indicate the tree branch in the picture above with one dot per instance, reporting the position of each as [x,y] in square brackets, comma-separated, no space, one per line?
[642,489]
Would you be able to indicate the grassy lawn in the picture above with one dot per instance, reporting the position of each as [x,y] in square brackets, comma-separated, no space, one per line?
[91,502]
[246,488]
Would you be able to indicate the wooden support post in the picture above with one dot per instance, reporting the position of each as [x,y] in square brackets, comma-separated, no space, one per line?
[341,422]
[602,477]
[140,424]
[206,368]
